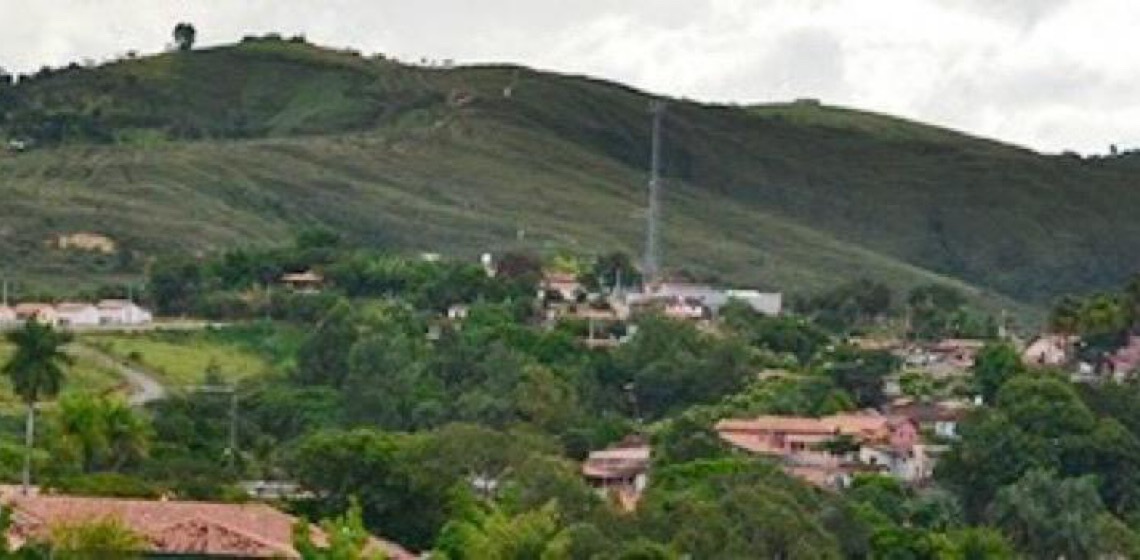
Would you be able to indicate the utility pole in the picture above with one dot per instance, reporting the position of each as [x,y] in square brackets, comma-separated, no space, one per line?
[232,444]
[653,241]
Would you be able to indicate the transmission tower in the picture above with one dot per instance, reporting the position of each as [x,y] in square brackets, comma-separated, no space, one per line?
[653,219]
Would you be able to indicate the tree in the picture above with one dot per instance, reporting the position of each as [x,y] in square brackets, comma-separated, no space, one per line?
[861,373]
[96,539]
[995,364]
[323,358]
[978,543]
[36,370]
[347,538]
[1051,517]
[184,35]
[485,531]
[103,433]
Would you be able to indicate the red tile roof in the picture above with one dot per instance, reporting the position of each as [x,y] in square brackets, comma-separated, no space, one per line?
[251,530]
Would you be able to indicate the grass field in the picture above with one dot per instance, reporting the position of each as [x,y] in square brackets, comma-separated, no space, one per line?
[179,359]
[257,140]
[82,376]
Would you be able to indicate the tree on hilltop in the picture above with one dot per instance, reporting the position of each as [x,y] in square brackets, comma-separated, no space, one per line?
[184,35]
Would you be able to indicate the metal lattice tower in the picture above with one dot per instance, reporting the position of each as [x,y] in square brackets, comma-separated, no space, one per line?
[652,263]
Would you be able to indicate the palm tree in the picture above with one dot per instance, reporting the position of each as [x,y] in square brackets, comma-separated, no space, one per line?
[36,370]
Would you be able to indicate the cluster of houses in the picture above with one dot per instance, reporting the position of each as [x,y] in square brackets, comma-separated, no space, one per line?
[563,296]
[170,528]
[73,315]
[903,441]
[1060,351]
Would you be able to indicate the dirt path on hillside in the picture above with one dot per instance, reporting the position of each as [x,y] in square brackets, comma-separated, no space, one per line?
[146,388]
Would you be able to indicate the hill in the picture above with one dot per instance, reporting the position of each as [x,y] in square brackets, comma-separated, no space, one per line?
[244,144]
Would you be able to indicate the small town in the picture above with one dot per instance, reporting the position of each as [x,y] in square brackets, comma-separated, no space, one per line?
[604,281]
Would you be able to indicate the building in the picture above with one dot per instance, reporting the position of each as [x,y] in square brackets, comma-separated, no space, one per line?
[76,315]
[710,298]
[940,418]
[173,528]
[304,282]
[768,303]
[7,315]
[1125,361]
[564,284]
[1047,350]
[40,312]
[621,471]
[122,312]
[807,446]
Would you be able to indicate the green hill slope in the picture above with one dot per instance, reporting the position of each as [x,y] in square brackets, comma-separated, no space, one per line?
[195,151]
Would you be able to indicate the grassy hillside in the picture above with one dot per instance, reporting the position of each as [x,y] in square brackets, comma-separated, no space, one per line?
[197,151]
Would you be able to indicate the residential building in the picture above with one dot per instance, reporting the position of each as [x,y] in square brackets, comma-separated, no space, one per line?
[1125,360]
[122,312]
[711,299]
[768,303]
[940,418]
[173,528]
[564,284]
[304,282]
[40,312]
[458,311]
[7,315]
[1048,350]
[76,315]
[620,471]
[805,445]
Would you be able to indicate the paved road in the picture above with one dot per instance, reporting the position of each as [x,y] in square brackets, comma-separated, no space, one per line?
[146,388]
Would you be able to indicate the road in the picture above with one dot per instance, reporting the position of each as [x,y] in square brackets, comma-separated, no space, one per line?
[147,389]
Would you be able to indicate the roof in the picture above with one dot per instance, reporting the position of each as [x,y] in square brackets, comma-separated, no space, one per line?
[930,411]
[559,278]
[115,304]
[72,307]
[854,423]
[620,461]
[171,527]
[303,277]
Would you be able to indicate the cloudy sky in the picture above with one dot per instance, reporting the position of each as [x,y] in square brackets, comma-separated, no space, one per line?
[1049,74]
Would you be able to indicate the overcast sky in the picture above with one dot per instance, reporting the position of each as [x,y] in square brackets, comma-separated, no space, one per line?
[1049,74]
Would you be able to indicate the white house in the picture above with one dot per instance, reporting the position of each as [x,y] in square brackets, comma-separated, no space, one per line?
[122,312]
[768,303]
[77,315]
[7,315]
[39,312]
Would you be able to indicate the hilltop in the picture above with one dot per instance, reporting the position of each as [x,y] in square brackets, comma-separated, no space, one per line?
[195,151]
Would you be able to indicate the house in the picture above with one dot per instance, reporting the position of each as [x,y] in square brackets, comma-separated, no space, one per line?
[957,352]
[169,528]
[686,308]
[710,298]
[564,284]
[940,418]
[1047,350]
[73,315]
[884,443]
[1125,360]
[767,303]
[303,282]
[40,312]
[458,311]
[122,312]
[620,471]
[7,315]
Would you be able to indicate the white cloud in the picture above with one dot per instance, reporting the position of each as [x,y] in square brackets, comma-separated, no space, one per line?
[1051,74]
